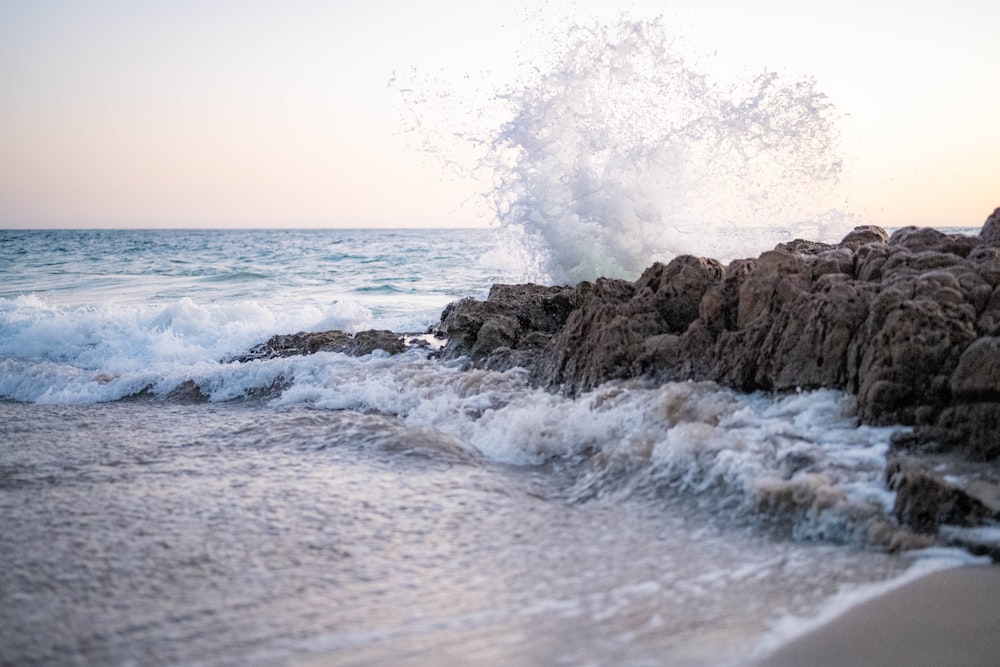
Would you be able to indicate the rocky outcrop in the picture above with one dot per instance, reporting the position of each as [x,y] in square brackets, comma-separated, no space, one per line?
[910,324]
[942,490]
[510,328]
[361,343]
[948,496]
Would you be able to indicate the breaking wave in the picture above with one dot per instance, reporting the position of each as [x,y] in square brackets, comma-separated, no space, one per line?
[622,152]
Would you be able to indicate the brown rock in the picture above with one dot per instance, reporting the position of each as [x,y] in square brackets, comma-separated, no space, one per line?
[813,347]
[517,318]
[366,342]
[988,323]
[777,277]
[986,262]
[976,427]
[674,291]
[925,499]
[977,377]
[361,343]
[599,342]
[990,233]
[921,239]
[864,235]
[918,326]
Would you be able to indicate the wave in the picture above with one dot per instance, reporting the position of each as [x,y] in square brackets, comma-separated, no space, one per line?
[622,152]
[383,288]
[800,461]
[122,338]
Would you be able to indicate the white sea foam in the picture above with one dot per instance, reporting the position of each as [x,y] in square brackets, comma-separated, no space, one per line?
[619,151]
[801,456]
[99,352]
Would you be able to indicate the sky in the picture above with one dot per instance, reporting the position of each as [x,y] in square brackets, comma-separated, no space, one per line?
[265,114]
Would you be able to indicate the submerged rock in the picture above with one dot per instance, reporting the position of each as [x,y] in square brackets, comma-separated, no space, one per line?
[937,491]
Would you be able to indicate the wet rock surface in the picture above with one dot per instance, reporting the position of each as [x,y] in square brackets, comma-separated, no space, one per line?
[359,344]
[510,328]
[910,324]
[936,491]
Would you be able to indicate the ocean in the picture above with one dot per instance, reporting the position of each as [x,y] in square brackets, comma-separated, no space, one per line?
[161,503]
[334,510]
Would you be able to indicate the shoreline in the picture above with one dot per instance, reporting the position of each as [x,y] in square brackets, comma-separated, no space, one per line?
[946,617]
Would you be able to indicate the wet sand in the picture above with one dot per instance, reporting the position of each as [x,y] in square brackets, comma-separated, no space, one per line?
[946,618]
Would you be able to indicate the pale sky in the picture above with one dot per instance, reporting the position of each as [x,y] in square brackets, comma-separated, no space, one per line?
[279,114]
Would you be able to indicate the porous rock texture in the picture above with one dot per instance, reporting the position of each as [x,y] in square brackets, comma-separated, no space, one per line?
[359,344]
[910,324]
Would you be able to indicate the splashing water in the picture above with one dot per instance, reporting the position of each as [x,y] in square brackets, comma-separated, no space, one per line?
[622,153]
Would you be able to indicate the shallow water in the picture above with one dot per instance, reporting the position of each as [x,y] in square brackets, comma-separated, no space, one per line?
[326,510]
[387,510]
[147,532]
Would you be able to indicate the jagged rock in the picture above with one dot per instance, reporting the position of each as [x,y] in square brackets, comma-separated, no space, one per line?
[990,233]
[598,341]
[976,425]
[977,377]
[674,291]
[922,239]
[361,343]
[803,247]
[938,491]
[986,262]
[187,392]
[791,330]
[909,347]
[620,329]
[510,327]
[864,235]
[908,323]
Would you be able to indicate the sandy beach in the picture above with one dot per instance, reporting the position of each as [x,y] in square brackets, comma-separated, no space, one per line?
[946,618]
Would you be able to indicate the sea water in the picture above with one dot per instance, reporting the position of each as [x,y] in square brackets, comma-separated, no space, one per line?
[610,148]
[384,510]
[163,504]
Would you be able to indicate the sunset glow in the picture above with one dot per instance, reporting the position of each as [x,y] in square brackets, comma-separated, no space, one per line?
[224,114]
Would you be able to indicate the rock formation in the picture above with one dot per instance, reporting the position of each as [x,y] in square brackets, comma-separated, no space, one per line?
[361,343]
[909,324]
